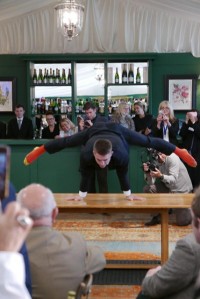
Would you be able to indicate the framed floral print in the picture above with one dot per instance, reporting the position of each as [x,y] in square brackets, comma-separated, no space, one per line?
[181,91]
[7,94]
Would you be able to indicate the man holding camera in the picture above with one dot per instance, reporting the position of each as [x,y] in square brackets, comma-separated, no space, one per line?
[168,175]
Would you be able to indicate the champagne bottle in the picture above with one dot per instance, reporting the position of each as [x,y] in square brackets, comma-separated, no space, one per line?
[34,78]
[45,76]
[130,74]
[40,77]
[124,74]
[138,76]
[51,77]
[63,79]
[116,77]
[57,77]
[54,77]
[69,78]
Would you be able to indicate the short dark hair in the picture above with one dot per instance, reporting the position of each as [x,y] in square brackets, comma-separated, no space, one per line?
[89,105]
[19,106]
[102,146]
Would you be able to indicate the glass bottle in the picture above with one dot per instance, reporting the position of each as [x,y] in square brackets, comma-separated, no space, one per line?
[51,77]
[116,76]
[40,77]
[69,78]
[34,78]
[124,74]
[130,74]
[138,76]
[57,77]
[63,78]
[45,76]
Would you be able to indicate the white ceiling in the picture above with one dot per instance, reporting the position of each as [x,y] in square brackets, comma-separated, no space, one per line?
[110,26]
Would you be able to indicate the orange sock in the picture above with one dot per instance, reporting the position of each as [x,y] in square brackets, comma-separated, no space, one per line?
[185,156]
[34,154]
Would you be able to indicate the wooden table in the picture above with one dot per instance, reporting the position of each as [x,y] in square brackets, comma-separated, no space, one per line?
[116,203]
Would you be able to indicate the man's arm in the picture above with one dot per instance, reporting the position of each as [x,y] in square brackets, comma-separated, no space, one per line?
[177,273]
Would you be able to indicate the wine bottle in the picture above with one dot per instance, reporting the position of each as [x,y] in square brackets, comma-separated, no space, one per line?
[138,76]
[69,78]
[34,78]
[130,74]
[45,76]
[57,77]
[40,77]
[124,74]
[116,77]
[63,79]
[51,77]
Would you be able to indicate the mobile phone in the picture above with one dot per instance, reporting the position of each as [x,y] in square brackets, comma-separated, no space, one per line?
[4,171]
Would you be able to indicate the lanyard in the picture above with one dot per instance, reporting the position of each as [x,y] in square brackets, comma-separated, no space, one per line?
[165,128]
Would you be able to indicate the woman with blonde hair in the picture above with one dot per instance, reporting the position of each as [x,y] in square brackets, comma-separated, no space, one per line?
[166,125]
[67,128]
[122,116]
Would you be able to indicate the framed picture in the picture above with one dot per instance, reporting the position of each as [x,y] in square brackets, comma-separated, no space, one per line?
[181,91]
[7,94]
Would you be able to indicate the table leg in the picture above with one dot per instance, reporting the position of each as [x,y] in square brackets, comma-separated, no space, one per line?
[164,236]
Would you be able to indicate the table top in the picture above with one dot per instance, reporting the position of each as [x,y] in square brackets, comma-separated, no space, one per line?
[118,201]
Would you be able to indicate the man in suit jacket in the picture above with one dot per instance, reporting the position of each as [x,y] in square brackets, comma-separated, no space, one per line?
[2,130]
[176,279]
[20,127]
[59,261]
[111,152]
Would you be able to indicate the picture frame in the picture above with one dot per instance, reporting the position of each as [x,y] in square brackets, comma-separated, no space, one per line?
[181,91]
[7,94]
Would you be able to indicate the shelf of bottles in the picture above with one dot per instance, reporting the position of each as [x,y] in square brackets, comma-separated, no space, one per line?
[53,75]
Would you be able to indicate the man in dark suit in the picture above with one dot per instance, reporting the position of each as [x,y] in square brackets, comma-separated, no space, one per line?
[20,127]
[2,130]
[110,152]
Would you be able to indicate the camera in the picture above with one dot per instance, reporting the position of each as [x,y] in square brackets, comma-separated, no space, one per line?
[150,157]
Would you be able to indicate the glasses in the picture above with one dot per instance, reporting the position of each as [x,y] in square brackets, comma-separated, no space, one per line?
[47,119]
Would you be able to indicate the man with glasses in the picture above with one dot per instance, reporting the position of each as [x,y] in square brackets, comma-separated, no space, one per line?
[52,129]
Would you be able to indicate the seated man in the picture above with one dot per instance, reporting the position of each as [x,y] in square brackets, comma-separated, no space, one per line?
[170,176]
[59,261]
[176,279]
[107,146]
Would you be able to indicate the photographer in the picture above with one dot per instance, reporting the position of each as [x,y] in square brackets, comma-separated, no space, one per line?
[90,117]
[167,174]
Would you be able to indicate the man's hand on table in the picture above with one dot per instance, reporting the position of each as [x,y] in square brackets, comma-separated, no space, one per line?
[132,197]
[76,197]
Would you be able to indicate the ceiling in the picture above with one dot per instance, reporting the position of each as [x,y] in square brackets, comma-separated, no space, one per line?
[110,26]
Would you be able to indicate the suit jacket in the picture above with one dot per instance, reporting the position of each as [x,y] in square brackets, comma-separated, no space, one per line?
[176,279]
[59,261]
[2,130]
[25,132]
[120,138]
[173,131]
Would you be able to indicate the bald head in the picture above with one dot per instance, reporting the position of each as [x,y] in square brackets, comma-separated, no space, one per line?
[38,199]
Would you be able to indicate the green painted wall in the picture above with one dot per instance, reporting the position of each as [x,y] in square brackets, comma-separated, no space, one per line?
[161,65]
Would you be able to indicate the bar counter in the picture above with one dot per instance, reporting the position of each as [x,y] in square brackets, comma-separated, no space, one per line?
[60,171]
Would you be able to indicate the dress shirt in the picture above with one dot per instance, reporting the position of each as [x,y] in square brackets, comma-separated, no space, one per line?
[12,276]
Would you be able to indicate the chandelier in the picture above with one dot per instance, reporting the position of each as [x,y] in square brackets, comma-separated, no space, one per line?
[69,18]
[99,71]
